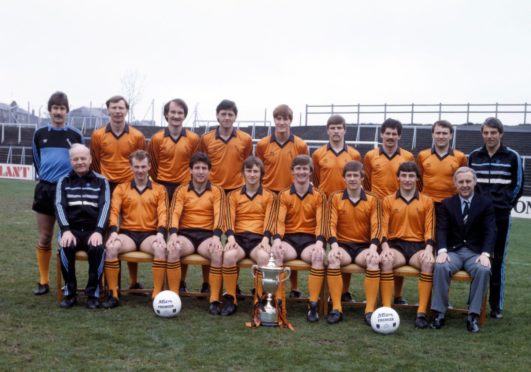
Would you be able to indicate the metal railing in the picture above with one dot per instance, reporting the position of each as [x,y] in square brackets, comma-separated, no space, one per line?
[10,152]
[238,124]
[356,112]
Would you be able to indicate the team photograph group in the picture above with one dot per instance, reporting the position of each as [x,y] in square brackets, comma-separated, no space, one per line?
[220,196]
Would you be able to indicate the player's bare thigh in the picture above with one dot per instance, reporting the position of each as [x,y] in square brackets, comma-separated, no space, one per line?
[338,257]
[314,255]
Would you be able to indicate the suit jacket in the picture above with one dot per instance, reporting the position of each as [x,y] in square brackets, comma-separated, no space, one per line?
[478,234]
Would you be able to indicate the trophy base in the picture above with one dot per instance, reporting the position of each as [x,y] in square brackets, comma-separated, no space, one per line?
[269,324]
[268,319]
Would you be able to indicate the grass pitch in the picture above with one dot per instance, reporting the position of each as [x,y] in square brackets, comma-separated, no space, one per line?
[35,334]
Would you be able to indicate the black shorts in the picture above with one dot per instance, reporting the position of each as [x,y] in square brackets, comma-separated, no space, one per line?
[299,241]
[408,249]
[354,249]
[170,188]
[248,241]
[138,236]
[196,236]
[44,198]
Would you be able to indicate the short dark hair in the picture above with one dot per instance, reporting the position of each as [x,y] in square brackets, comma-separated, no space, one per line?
[139,155]
[200,157]
[251,161]
[391,124]
[354,166]
[408,166]
[493,123]
[227,104]
[283,111]
[442,123]
[58,99]
[179,102]
[302,160]
[115,99]
[336,120]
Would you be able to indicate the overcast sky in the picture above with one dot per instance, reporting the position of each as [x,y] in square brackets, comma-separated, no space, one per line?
[263,53]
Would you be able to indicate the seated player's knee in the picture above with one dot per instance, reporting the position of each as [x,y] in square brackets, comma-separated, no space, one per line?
[262,257]
[387,263]
[230,257]
[159,252]
[334,261]
[45,238]
[111,252]
[426,267]
[216,258]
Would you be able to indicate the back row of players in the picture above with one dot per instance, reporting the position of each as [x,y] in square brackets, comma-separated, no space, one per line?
[382,225]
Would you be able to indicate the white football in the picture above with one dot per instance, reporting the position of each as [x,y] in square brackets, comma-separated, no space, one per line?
[385,320]
[167,304]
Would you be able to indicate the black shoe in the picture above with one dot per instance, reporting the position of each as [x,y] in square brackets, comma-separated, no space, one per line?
[41,289]
[347,297]
[295,293]
[111,302]
[472,323]
[205,288]
[313,316]
[92,303]
[438,321]
[213,308]
[68,302]
[239,293]
[229,307]
[496,314]
[182,287]
[334,317]
[421,322]
[400,301]
[367,318]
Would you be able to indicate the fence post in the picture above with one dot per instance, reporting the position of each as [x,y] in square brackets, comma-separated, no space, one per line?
[385,111]
[412,112]
[525,119]
[440,110]
[468,113]
[496,115]
[306,116]
[358,115]
[19,133]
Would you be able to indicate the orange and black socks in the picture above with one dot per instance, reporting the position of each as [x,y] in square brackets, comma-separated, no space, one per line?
[173,273]
[335,286]
[230,279]
[215,279]
[386,288]
[44,255]
[371,284]
[425,284]
[315,283]
[159,274]
[112,270]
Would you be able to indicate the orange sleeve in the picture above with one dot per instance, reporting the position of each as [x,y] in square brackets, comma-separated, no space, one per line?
[316,168]
[140,141]
[248,147]
[95,151]
[332,219]
[355,154]
[320,218]
[464,161]
[270,215]
[154,150]
[260,148]
[368,171]
[233,204]
[176,208]
[282,211]
[429,224]
[376,221]
[302,147]
[116,206]
[220,210]
[386,213]
[162,209]
[420,183]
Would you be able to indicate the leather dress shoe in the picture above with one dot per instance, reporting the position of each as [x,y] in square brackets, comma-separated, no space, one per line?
[367,318]
[400,301]
[295,293]
[347,297]
[496,314]
[111,302]
[92,303]
[334,317]
[68,302]
[438,321]
[229,307]
[421,322]
[41,289]
[213,308]
[312,316]
[472,323]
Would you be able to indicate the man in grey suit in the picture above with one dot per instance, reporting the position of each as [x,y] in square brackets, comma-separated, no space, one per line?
[466,234]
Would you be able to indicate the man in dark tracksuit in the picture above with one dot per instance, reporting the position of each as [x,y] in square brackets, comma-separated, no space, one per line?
[501,176]
[82,204]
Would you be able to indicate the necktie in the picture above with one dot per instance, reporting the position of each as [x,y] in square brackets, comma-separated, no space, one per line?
[466,211]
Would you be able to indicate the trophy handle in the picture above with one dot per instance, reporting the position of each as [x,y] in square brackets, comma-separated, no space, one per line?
[287,271]
[254,269]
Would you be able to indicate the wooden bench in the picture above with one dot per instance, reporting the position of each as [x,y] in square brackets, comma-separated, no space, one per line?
[411,272]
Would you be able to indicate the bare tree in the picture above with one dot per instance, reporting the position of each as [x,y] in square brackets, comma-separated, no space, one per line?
[132,86]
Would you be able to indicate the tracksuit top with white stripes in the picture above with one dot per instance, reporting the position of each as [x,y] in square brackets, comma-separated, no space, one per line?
[501,176]
[83,203]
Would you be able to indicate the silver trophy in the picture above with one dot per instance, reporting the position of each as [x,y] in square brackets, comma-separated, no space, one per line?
[270,282]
